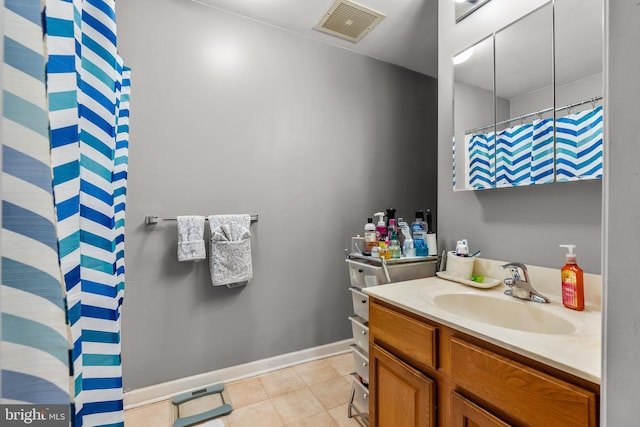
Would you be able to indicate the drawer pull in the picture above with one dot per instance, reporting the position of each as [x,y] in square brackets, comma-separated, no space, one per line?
[360,270]
[364,332]
[366,395]
[364,301]
[365,364]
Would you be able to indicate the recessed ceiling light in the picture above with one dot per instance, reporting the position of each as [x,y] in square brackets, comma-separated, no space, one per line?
[463,56]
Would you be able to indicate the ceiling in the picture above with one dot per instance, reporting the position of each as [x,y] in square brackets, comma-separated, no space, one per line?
[407,36]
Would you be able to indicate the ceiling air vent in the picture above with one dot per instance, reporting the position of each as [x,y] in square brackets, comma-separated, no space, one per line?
[348,20]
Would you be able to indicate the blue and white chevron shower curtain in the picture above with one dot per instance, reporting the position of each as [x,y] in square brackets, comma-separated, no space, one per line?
[34,357]
[63,190]
[481,151]
[579,145]
[524,155]
[542,159]
[88,89]
[513,156]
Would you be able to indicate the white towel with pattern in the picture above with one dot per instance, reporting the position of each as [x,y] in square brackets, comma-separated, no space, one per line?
[191,245]
[230,255]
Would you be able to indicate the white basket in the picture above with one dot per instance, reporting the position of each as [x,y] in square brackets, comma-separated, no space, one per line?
[460,266]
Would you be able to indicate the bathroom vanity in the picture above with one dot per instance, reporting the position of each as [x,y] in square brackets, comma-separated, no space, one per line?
[444,354]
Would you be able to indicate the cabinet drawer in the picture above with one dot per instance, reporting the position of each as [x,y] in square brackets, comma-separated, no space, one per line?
[361,398]
[531,397]
[360,332]
[362,274]
[361,363]
[360,303]
[415,341]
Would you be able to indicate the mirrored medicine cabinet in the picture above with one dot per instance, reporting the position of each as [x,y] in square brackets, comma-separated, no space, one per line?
[528,100]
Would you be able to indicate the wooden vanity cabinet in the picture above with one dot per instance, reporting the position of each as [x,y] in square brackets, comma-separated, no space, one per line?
[426,374]
[402,396]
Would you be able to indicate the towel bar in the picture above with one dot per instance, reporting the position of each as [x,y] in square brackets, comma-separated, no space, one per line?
[154,219]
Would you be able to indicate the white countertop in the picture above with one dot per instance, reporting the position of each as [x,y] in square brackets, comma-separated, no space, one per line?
[578,353]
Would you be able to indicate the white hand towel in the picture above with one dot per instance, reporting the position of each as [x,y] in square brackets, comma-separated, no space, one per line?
[230,258]
[191,245]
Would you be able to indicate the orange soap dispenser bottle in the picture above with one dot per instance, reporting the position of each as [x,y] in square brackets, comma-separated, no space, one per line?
[572,282]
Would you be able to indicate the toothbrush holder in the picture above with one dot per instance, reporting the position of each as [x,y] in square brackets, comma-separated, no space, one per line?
[460,266]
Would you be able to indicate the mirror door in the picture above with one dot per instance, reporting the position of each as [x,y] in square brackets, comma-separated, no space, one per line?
[524,96]
[474,116]
[579,89]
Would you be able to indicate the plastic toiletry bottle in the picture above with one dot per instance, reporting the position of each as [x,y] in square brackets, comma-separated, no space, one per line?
[419,232]
[392,231]
[401,235]
[381,227]
[432,244]
[369,236]
[394,248]
[391,215]
[375,251]
[405,239]
[382,250]
[572,282]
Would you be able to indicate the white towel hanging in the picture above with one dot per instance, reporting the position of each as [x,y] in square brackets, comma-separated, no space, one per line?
[230,261]
[191,245]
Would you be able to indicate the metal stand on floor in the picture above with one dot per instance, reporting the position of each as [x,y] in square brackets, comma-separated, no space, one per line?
[219,411]
[360,416]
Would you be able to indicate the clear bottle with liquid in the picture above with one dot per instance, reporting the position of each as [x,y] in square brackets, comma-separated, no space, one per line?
[394,249]
[369,236]
[382,250]
[419,234]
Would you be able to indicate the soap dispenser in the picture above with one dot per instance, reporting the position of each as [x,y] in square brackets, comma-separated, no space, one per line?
[572,282]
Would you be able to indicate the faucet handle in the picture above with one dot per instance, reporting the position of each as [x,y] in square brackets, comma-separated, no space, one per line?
[514,267]
[514,264]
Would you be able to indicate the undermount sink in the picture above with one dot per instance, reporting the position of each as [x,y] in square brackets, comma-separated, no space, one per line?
[505,312]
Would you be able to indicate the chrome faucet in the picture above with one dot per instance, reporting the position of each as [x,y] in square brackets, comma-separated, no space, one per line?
[520,285]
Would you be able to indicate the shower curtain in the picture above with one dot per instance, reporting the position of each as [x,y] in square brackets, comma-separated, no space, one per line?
[34,358]
[579,145]
[481,160]
[88,91]
[513,156]
[64,172]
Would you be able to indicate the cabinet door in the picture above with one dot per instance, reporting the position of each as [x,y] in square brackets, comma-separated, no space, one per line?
[465,413]
[400,396]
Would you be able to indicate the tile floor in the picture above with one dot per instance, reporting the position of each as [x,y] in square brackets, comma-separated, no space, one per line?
[313,394]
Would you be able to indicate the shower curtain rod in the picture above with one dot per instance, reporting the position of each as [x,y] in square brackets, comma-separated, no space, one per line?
[154,219]
[538,113]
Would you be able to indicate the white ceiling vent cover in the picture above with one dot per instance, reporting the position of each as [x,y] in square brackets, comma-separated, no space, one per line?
[348,20]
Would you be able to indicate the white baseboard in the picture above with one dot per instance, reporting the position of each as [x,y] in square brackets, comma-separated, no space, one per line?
[158,392]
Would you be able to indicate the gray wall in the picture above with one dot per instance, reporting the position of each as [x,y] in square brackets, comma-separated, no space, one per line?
[232,116]
[622,223]
[519,224]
